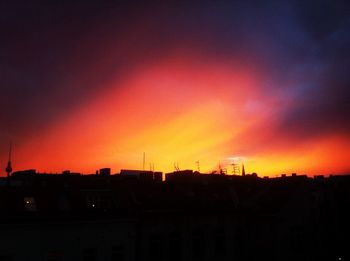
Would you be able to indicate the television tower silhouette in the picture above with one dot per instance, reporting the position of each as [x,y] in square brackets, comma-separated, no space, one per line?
[9,167]
[243,170]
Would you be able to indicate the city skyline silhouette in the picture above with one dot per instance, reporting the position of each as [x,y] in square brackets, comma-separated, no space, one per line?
[174,130]
[134,215]
[86,85]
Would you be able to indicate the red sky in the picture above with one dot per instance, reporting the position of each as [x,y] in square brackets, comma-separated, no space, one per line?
[86,86]
[182,111]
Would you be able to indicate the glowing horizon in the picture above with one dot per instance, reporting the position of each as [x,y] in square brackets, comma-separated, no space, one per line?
[189,113]
[92,87]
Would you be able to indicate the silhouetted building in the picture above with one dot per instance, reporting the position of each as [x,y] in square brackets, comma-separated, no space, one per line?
[189,216]
[105,172]
[143,175]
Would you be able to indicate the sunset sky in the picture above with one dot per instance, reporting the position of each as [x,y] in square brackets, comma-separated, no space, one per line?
[85,86]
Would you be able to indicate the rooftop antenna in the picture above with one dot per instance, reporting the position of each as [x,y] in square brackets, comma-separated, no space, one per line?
[235,168]
[151,166]
[9,167]
[198,168]
[176,166]
[144,161]
[220,168]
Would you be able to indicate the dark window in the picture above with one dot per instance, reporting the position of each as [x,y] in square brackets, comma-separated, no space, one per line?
[175,247]
[118,253]
[89,254]
[155,249]
[198,245]
[219,242]
[6,258]
[55,256]
[297,239]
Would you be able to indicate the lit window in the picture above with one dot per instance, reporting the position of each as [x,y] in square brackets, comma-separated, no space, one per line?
[93,201]
[29,204]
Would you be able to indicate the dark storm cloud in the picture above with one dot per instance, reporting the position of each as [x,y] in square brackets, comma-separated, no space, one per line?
[323,105]
[42,49]
[300,46]
[56,56]
[35,43]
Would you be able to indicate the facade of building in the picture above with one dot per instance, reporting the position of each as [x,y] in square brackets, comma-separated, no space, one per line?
[189,216]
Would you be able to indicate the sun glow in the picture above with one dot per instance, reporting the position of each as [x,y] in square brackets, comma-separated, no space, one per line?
[176,112]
